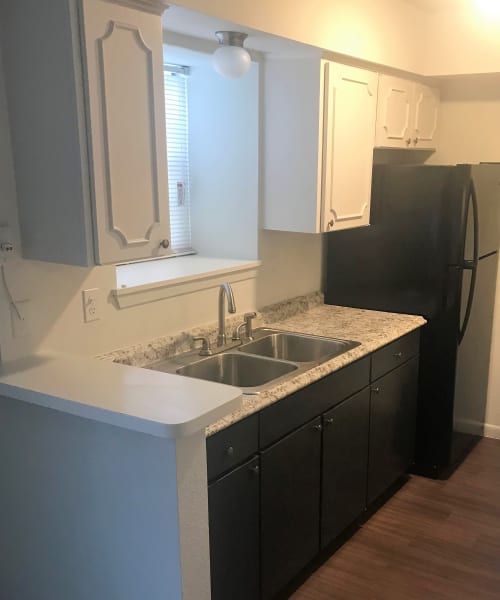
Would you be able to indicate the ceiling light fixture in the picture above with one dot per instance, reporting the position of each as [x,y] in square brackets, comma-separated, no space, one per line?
[231,59]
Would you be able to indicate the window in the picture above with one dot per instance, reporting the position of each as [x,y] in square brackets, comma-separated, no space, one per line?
[176,116]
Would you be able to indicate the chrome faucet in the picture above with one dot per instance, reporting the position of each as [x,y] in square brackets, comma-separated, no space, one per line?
[224,290]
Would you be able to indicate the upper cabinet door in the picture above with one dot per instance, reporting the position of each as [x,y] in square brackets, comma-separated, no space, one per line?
[124,61]
[394,112]
[425,117]
[350,105]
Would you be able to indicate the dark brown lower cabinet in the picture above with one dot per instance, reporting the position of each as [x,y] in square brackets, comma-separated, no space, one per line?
[393,407]
[344,465]
[290,501]
[316,478]
[233,502]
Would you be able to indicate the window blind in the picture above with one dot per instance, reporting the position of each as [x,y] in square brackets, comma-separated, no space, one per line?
[176,116]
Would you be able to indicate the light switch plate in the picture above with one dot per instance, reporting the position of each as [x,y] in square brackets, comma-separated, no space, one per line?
[91,305]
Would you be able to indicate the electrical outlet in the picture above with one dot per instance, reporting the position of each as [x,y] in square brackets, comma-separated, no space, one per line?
[91,305]
[20,318]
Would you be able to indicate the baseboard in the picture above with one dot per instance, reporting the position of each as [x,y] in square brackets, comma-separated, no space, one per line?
[475,428]
[492,431]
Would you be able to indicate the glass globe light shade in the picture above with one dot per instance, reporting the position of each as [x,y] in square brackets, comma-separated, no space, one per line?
[231,61]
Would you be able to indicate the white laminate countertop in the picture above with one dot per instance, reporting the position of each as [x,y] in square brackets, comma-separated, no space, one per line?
[373,329]
[129,397]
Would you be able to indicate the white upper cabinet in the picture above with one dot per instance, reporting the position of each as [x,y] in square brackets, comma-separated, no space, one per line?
[348,137]
[94,175]
[319,128]
[425,117]
[395,98]
[407,114]
[124,61]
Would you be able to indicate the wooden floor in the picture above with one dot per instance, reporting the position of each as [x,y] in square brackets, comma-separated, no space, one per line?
[432,540]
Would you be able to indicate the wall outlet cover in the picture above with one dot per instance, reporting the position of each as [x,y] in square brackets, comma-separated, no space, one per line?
[91,305]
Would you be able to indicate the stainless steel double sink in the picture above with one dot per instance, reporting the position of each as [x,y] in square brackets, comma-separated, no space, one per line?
[253,366]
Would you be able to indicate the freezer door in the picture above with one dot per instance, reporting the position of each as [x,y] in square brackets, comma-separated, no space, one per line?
[487,183]
[401,263]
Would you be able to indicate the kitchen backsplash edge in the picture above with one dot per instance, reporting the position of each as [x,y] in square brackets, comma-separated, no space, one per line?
[162,347]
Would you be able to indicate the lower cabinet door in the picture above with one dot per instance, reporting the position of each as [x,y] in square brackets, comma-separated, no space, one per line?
[393,409]
[344,467]
[290,502]
[233,506]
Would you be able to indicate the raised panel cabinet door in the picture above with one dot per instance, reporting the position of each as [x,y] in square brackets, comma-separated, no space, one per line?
[394,112]
[425,117]
[393,408]
[350,107]
[344,465]
[233,511]
[290,503]
[124,65]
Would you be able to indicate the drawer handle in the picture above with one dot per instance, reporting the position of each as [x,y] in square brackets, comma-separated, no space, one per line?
[255,470]
[376,390]
[230,451]
[329,421]
[318,427]
[398,355]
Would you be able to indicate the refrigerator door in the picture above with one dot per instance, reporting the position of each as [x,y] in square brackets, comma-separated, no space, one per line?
[486,179]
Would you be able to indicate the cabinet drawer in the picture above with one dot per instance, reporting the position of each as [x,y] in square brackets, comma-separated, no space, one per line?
[394,354]
[232,446]
[290,413]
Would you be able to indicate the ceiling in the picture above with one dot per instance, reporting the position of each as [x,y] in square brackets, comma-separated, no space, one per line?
[198,25]
[433,5]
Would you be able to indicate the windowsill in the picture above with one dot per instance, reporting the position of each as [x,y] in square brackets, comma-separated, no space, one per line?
[140,283]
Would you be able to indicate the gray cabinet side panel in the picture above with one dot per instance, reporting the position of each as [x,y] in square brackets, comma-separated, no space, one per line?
[86,510]
[45,98]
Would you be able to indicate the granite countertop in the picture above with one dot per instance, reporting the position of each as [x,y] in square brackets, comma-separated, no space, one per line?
[373,329]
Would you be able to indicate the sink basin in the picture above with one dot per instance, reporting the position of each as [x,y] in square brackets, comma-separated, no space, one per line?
[241,370]
[297,347]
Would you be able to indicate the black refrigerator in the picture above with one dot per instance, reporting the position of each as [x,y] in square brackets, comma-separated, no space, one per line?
[431,249]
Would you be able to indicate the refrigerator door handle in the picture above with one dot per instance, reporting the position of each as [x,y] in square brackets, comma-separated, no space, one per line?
[471,264]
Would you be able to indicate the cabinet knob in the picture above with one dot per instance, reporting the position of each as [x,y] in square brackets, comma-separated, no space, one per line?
[376,390]
[318,427]
[330,223]
[415,141]
[398,355]
[408,141]
[255,470]
[329,421]
[165,243]
[230,451]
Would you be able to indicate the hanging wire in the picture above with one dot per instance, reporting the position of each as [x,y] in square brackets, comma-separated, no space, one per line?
[9,295]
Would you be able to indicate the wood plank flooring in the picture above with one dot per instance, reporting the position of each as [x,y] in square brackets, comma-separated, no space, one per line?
[432,540]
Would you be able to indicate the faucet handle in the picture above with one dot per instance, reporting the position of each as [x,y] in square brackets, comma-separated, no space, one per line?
[206,349]
[248,317]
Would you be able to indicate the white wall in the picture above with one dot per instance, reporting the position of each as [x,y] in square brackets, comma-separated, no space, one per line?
[54,291]
[390,32]
[470,132]
[224,162]
[462,38]
[440,38]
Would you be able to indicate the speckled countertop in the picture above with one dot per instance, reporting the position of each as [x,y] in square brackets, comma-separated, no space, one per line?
[373,329]
[304,314]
